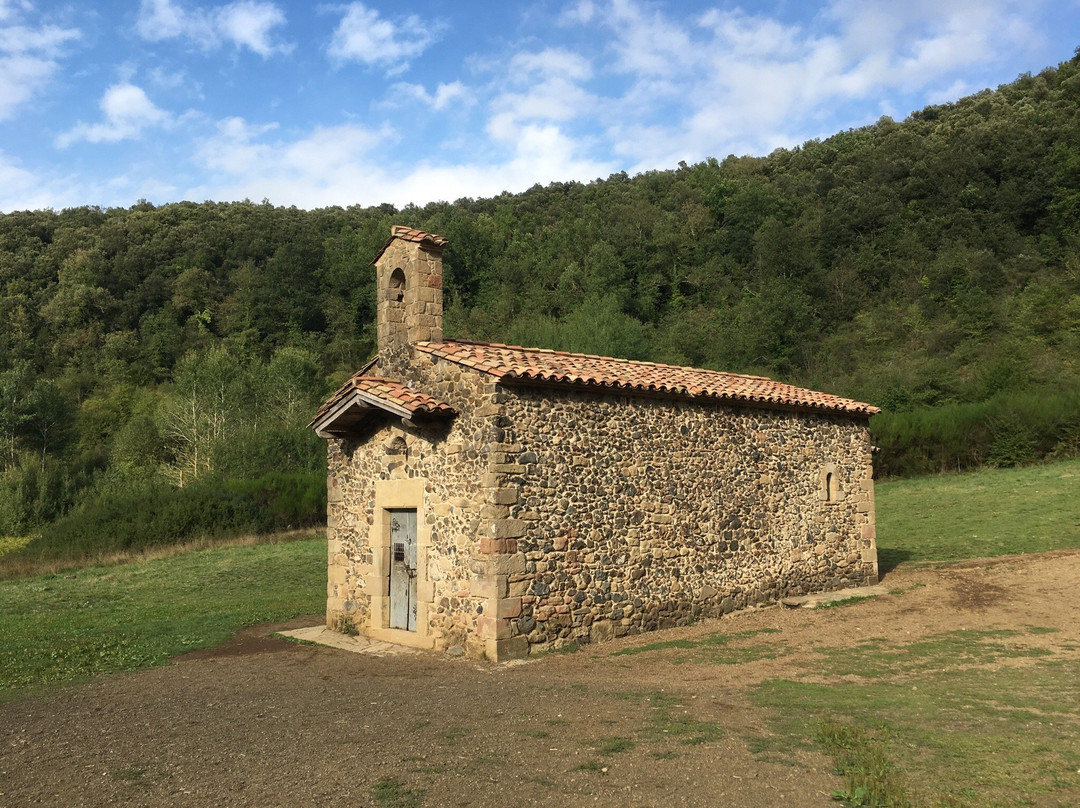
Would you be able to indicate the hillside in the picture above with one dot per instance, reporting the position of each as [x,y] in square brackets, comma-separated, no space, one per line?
[928,266]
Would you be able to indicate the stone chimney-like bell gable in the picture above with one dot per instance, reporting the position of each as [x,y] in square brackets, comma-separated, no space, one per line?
[409,293]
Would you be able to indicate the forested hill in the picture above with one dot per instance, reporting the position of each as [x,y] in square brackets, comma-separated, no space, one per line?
[928,263]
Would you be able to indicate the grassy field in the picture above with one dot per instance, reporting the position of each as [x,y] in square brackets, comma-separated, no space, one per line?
[962,719]
[62,627]
[933,724]
[66,627]
[983,513]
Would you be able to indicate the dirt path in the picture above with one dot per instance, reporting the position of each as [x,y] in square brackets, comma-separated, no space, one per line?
[264,722]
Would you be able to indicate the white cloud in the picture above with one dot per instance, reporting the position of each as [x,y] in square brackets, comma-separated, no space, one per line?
[46,40]
[127,111]
[365,36]
[543,96]
[28,55]
[162,19]
[234,149]
[313,161]
[579,13]
[21,189]
[958,89]
[647,42]
[729,81]
[556,62]
[455,93]
[250,24]
[168,80]
[21,77]
[244,24]
[348,164]
[8,8]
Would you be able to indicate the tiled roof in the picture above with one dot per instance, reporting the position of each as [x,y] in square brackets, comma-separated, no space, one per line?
[419,236]
[513,363]
[429,240]
[358,396]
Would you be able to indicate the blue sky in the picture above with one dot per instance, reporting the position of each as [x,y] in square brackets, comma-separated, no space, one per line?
[312,104]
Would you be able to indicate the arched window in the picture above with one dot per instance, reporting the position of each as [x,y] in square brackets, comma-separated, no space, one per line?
[397,285]
[829,490]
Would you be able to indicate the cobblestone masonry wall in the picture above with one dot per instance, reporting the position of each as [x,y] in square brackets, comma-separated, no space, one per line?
[451,460]
[407,313]
[631,514]
[558,515]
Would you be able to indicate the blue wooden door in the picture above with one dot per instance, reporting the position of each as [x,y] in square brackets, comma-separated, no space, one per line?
[403,569]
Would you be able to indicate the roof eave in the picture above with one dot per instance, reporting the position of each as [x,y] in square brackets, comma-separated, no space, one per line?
[514,379]
[360,405]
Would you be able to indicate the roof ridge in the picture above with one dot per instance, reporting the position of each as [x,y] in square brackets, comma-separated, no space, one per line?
[394,393]
[510,362]
[412,234]
[553,351]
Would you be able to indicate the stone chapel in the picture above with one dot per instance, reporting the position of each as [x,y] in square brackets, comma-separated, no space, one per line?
[508,500]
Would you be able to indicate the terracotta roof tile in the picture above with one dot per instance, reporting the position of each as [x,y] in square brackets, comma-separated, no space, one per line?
[429,240]
[374,390]
[419,236]
[513,363]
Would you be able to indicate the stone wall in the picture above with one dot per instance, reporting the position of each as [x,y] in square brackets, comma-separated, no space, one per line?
[436,469]
[629,514]
[409,302]
[554,515]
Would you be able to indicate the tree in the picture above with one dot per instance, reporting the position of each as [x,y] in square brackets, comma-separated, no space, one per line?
[15,386]
[206,405]
[49,418]
[294,386]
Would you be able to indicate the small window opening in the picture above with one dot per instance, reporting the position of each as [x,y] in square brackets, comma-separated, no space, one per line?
[829,490]
[397,285]
[398,447]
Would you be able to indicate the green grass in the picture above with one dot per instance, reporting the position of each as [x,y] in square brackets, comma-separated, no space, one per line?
[943,721]
[869,776]
[591,766]
[393,793]
[835,604]
[612,746]
[993,736]
[62,628]
[978,514]
[670,719]
[720,648]
[878,658]
[10,544]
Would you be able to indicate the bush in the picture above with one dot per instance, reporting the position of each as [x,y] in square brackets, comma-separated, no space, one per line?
[259,453]
[32,494]
[158,514]
[1009,429]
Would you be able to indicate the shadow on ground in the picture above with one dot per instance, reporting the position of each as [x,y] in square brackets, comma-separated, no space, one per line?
[888,560]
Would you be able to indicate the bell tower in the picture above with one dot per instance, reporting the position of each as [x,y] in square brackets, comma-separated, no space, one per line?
[408,293]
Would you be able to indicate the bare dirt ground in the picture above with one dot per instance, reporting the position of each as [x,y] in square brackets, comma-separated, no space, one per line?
[266,722]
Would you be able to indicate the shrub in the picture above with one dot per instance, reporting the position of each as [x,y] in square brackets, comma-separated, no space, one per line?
[157,514]
[32,493]
[1010,429]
